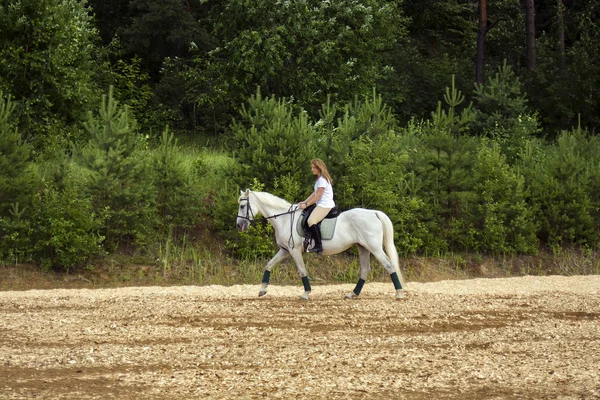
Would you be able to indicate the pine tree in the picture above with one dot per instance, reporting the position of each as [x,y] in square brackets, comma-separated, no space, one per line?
[273,142]
[16,180]
[178,198]
[500,102]
[445,169]
[119,179]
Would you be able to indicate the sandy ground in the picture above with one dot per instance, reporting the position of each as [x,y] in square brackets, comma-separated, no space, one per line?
[516,338]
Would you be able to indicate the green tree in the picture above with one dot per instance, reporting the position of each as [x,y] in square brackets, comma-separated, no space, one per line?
[558,180]
[119,178]
[66,233]
[499,103]
[178,195]
[300,50]
[503,219]
[17,187]
[46,62]
[443,168]
[16,179]
[501,112]
[377,177]
[162,28]
[272,140]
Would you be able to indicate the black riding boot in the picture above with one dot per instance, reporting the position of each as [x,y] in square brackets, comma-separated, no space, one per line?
[315,231]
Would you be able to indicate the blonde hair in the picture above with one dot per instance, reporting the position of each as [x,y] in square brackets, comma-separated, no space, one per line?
[317,162]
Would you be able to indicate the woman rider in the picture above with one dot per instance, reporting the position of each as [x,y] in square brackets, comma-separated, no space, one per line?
[322,197]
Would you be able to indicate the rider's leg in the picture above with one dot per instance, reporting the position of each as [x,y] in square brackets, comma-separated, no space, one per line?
[315,217]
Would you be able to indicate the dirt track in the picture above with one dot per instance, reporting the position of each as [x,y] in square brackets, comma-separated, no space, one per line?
[518,338]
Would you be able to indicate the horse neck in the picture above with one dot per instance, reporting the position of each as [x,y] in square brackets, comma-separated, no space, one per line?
[267,210]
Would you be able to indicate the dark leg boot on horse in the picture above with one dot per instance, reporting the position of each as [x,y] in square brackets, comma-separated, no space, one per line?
[315,232]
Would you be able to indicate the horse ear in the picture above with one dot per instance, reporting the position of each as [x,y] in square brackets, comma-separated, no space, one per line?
[247,193]
[241,192]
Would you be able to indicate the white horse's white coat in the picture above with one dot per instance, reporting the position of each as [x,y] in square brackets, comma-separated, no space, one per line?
[371,230]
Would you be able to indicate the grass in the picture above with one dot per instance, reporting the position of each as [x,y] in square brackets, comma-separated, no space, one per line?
[187,264]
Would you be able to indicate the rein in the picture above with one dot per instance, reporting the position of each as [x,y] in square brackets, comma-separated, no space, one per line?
[291,210]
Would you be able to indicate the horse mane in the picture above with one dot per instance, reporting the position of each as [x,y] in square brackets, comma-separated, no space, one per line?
[269,199]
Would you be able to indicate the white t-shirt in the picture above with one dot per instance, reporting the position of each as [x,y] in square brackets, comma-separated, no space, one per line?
[326,201]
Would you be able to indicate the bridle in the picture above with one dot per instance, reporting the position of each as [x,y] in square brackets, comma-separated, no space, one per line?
[250,217]
[250,213]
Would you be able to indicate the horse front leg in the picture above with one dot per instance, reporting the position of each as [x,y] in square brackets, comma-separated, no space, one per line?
[297,256]
[281,255]
[364,256]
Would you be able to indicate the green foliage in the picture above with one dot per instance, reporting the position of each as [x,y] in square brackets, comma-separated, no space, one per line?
[132,88]
[16,230]
[443,168]
[378,179]
[558,181]
[288,187]
[502,218]
[66,233]
[499,103]
[298,50]
[369,118]
[46,61]
[16,179]
[159,29]
[272,141]
[118,178]
[501,112]
[176,179]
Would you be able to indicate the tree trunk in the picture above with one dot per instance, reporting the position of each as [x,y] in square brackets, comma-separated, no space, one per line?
[530,42]
[561,34]
[479,71]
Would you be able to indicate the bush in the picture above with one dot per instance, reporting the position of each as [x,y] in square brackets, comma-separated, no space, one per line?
[557,177]
[66,231]
[503,219]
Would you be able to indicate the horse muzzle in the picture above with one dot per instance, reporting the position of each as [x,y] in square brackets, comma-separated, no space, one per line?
[243,224]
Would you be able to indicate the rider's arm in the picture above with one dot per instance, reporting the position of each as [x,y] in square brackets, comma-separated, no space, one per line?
[309,198]
[315,196]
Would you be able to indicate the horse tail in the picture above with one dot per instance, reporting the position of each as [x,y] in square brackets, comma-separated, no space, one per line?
[388,243]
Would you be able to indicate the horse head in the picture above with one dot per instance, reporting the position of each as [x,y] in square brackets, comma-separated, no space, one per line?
[246,212]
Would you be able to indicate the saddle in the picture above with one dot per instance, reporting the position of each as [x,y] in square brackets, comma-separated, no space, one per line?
[327,225]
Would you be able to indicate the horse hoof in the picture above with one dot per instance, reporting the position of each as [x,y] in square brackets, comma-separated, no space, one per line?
[304,297]
[262,293]
[399,295]
[351,296]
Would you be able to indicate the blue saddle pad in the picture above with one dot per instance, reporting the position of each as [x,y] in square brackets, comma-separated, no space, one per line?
[327,228]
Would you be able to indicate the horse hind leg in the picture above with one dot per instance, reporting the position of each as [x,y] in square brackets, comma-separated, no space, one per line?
[387,264]
[364,256]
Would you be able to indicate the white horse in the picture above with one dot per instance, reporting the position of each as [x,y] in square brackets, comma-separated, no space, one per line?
[370,230]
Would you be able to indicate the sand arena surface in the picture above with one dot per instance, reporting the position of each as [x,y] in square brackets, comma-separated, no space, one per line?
[516,338]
